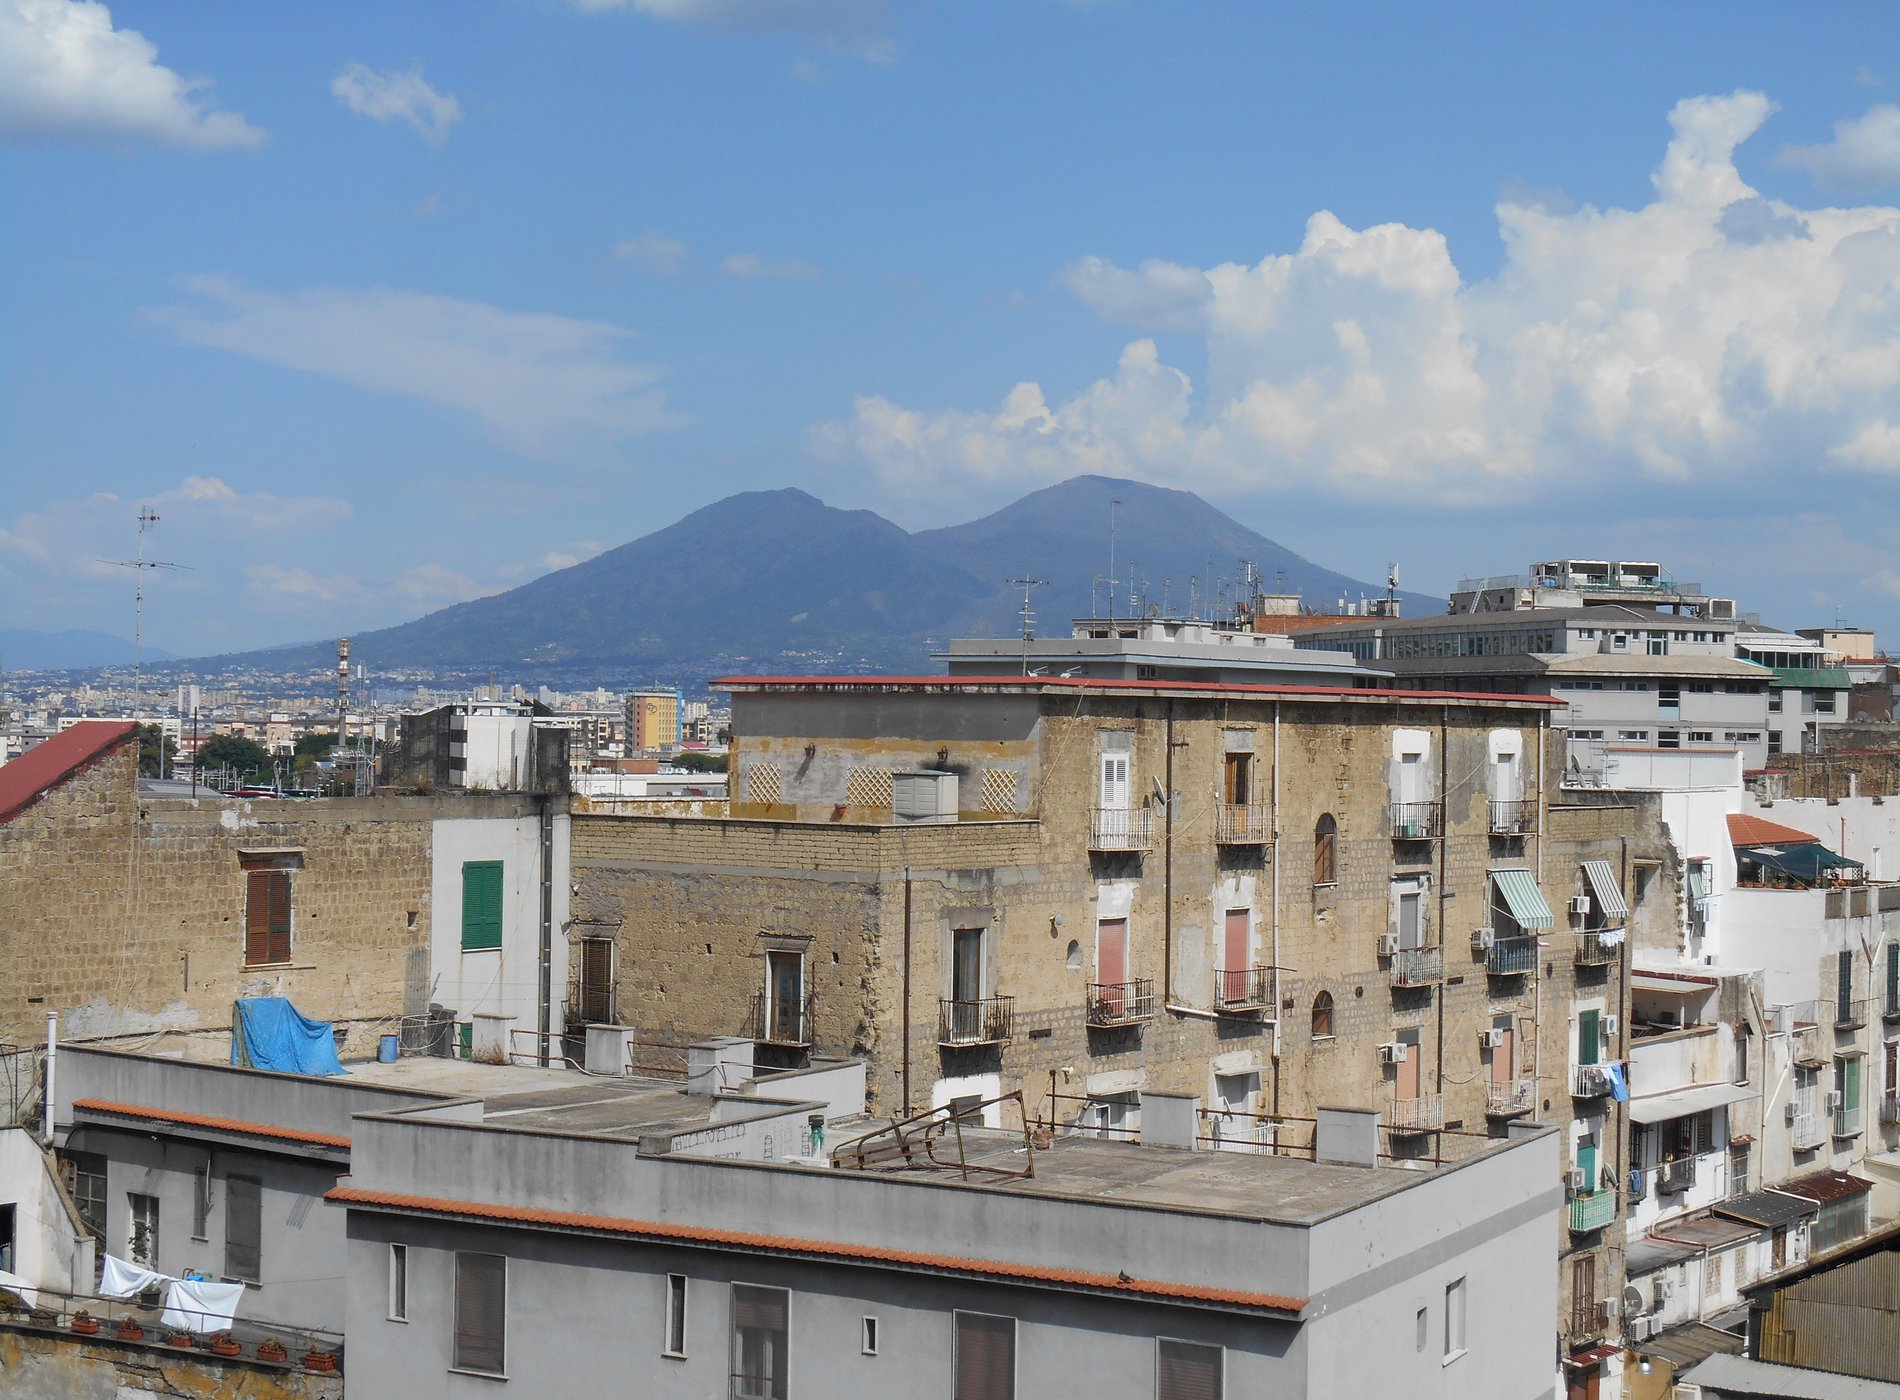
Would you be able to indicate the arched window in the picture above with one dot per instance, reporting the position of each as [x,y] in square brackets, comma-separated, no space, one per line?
[1325,850]
[1323,1016]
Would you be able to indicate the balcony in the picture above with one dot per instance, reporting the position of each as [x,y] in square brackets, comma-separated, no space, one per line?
[1848,1122]
[1588,1318]
[1121,1003]
[1511,957]
[1423,1114]
[986,1021]
[1890,1108]
[1599,947]
[1592,1211]
[1418,821]
[1242,991]
[1807,1132]
[1514,818]
[1890,1013]
[1509,1100]
[1243,825]
[1119,829]
[1417,967]
[1590,1081]
[1810,1046]
[1675,1177]
[782,1020]
[1850,1015]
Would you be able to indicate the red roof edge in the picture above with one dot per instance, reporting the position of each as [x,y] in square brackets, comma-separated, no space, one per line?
[206,1120]
[48,764]
[782,1244]
[1115,683]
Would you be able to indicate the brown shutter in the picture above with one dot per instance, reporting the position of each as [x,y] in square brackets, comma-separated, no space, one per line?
[243,1227]
[280,916]
[1187,1371]
[986,1357]
[257,916]
[481,1316]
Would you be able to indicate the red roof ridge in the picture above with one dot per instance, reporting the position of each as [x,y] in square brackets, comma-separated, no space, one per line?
[52,762]
[1747,829]
[206,1120]
[663,1230]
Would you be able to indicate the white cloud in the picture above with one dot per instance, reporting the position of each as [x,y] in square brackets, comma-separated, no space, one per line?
[1875,447]
[1711,334]
[66,74]
[1863,156]
[538,380]
[653,253]
[850,26]
[302,585]
[749,265]
[397,96]
[436,585]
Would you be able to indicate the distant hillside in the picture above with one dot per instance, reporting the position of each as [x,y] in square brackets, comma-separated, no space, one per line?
[772,580]
[24,649]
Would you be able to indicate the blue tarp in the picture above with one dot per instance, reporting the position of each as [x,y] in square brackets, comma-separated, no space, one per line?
[270,1033]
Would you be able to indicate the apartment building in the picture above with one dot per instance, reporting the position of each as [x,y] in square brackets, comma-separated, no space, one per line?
[654,720]
[1161,648]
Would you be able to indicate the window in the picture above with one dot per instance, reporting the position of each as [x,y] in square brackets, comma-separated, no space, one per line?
[759,1342]
[1774,702]
[1454,1319]
[243,1227]
[1411,915]
[1669,739]
[1844,984]
[675,1343]
[481,1313]
[201,1201]
[85,1176]
[1893,979]
[867,1344]
[1659,644]
[1633,736]
[398,1283]
[481,905]
[597,981]
[986,1357]
[1701,736]
[1423,1329]
[266,917]
[6,1239]
[1237,779]
[1325,850]
[1187,1370]
[142,1244]
[1323,1016]
[784,1019]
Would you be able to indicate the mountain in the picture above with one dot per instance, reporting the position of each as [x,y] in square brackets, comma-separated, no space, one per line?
[778,580]
[24,649]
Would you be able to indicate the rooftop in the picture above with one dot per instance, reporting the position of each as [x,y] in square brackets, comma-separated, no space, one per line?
[48,764]
[1065,685]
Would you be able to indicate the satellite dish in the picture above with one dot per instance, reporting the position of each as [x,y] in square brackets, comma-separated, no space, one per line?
[1634,1303]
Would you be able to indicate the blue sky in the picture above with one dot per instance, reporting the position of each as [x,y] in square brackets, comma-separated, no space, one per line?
[382,307]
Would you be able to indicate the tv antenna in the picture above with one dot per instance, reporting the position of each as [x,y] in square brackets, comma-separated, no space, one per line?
[1114,504]
[147,518]
[1028,584]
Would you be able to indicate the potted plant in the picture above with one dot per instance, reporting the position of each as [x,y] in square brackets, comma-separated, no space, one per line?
[181,1340]
[84,1323]
[43,1316]
[150,1296]
[270,1349]
[224,1344]
[129,1330]
[315,1360]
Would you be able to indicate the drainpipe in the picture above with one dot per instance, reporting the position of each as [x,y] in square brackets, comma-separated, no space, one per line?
[1444,894]
[1273,832]
[1537,967]
[545,1010]
[1167,864]
[907,1107]
[52,1054]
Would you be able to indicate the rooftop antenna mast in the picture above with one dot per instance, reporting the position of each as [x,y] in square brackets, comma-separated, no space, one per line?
[1114,504]
[1028,585]
[147,518]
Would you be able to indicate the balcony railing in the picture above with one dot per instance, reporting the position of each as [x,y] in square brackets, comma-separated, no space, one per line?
[1508,1100]
[1592,1211]
[1676,1176]
[1119,829]
[986,1021]
[1511,957]
[1417,821]
[1423,1114]
[1805,1021]
[1121,1003]
[1417,967]
[1517,817]
[1850,1015]
[1588,1318]
[782,1020]
[1242,990]
[1848,1122]
[1243,825]
[1890,1013]
[1808,1131]
[1890,1108]
[1598,947]
[1590,1081]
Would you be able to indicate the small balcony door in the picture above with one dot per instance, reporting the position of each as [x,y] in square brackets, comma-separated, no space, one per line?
[1411,919]
[1504,1058]
[785,997]
[597,981]
[1589,1037]
[1410,784]
[1113,794]
[1405,1085]
[1237,944]
[966,983]
[1237,780]
[1111,961]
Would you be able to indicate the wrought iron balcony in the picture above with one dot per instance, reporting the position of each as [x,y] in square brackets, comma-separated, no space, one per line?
[1597,947]
[1848,1121]
[1509,1100]
[1244,990]
[1417,967]
[1119,829]
[1590,1081]
[1517,817]
[1808,1131]
[1243,824]
[1850,1015]
[985,1021]
[1121,1003]
[1423,1114]
[1588,1318]
[1417,821]
[1890,1013]
[1592,1211]
[1676,1176]
[1806,1026]
[1511,957]
[782,1020]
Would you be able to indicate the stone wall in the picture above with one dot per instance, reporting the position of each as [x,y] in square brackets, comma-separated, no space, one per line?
[37,1364]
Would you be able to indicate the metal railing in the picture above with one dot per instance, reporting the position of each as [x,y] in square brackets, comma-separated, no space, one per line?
[1890,1012]
[1244,989]
[984,1021]
[1121,1003]
[1590,1081]
[1244,824]
[1808,1131]
[1515,817]
[1890,1108]
[1848,1122]
[1850,1015]
[1592,1210]
[1417,821]
[1424,1113]
[545,1048]
[1676,1176]
[1593,950]
[1588,1318]
[1119,829]
[130,1322]
[1417,967]
[1805,1021]
[1511,957]
[782,1020]
[1504,1100]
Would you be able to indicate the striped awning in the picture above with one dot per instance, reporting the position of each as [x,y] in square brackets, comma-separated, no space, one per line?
[1603,887]
[1524,899]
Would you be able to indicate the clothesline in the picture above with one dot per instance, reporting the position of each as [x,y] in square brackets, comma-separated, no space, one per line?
[211,1304]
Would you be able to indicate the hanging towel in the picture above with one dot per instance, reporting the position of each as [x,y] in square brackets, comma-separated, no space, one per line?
[122,1280]
[270,1033]
[201,1307]
[1619,1084]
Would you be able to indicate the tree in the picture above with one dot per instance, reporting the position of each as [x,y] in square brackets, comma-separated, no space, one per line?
[156,752]
[247,756]
[694,761]
[316,744]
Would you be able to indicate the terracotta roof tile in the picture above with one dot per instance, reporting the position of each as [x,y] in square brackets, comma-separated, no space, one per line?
[1747,829]
[48,764]
[829,1249]
[206,1120]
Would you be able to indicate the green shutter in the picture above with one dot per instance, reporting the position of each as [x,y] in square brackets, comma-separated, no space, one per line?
[1850,1085]
[1587,1044]
[481,905]
[1587,1164]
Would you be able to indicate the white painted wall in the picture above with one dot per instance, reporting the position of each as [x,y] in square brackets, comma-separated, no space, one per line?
[49,1249]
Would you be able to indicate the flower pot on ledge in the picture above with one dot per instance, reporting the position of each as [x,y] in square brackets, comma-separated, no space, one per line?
[128,1330]
[270,1349]
[84,1323]
[181,1340]
[319,1360]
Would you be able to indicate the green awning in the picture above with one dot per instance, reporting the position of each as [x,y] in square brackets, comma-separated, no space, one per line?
[1609,899]
[1806,862]
[1524,899]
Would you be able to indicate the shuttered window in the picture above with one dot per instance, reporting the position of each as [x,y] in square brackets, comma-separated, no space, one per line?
[266,917]
[243,1227]
[481,905]
[1187,1371]
[986,1357]
[481,1313]
[759,1342]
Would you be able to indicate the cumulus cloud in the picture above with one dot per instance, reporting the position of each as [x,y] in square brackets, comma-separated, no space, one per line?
[1863,156]
[653,253]
[397,96]
[850,26]
[537,380]
[750,265]
[1711,334]
[67,75]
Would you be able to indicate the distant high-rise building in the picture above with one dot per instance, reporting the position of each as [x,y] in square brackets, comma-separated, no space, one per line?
[653,718]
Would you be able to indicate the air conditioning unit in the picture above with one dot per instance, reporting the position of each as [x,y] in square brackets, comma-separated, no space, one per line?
[1664,1288]
[1610,1024]
[1483,939]
[1491,1039]
[1787,1114]
[1833,1100]
[1643,1328]
[1392,1052]
[1580,904]
[1388,944]
[1574,1180]
[1612,1307]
